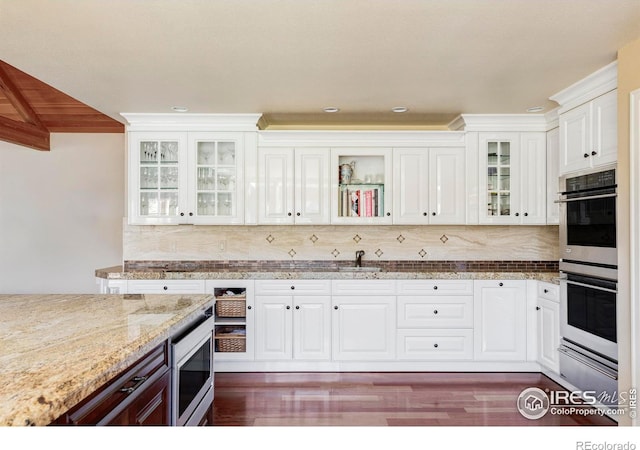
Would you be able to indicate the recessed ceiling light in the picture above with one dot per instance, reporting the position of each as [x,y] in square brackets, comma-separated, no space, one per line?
[180,108]
[535,109]
[331,109]
[400,109]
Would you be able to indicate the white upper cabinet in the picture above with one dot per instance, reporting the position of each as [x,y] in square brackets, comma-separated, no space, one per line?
[553,146]
[588,137]
[293,186]
[512,178]
[588,119]
[429,186]
[190,174]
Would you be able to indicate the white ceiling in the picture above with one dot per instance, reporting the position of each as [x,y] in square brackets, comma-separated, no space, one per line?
[297,56]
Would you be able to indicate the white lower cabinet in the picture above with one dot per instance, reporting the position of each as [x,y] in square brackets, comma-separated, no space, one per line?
[293,326]
[500,320]
[548,326]
[166,287]
[435,345]
[364,328]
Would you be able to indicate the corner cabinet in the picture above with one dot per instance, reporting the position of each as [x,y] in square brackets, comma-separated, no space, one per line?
[429,186]
[361,185]
[186,178]
[512,178]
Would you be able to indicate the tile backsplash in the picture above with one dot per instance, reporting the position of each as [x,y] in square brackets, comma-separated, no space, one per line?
[339,243]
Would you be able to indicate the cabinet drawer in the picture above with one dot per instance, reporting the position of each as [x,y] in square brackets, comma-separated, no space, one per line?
[435,312]
[434,345]
[363,287]
[293,287]
[166,287]
[549,291]
[435,287]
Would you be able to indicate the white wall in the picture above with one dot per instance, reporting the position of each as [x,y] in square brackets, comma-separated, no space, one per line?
[60,213]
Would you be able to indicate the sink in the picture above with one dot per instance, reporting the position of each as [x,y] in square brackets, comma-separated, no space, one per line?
[359,269]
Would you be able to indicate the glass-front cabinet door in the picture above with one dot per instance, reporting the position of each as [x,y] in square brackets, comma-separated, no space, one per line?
[216,173]
[157,185]
[499,169]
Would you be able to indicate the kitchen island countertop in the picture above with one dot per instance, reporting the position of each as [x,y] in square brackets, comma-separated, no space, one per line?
[58,349]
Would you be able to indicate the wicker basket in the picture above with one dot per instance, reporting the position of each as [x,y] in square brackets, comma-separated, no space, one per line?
[228,344]
[231,306]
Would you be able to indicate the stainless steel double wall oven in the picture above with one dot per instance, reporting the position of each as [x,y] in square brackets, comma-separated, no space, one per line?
[589,276]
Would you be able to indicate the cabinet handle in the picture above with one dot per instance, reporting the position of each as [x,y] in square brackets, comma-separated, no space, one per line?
[435,345]
[546,291]
[500,284]
[289,214]
[335,307]
[586,155]
[138,382]
[288,307]
[297,306]
[249,307]
[165,287]
[594,153]
[435,311]
[537,308]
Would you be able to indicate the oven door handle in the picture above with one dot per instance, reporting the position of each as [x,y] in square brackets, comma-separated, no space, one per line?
[577,199]
[591,364]
[591,286]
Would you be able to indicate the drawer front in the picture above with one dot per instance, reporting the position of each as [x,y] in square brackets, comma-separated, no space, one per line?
[363,287]
[435,312]
[435,345]
[549,291]
[293,287]
[166,287]
[435,287]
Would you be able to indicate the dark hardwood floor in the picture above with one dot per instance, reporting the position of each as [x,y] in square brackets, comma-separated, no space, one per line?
[381,399]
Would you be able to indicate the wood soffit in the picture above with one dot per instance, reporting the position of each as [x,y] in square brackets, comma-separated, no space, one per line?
[30,110]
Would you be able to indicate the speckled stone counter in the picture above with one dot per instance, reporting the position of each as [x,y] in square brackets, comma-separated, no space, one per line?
[58,349]
[118,273]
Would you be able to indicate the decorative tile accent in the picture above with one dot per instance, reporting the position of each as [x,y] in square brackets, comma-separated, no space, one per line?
[292,253]
[313,238]
[379,253]
[400,239]
[357,238]
[444,238]
[270,239]
[422,253]
[335,252]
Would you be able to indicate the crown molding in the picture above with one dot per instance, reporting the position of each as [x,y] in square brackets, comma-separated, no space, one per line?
[500,122]
[598,83]
[335,138]
[191,122]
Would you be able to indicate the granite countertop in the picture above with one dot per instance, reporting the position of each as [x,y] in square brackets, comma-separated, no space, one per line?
[58,349]
[118,273]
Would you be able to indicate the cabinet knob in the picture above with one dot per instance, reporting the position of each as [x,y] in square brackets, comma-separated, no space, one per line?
[182,214]
[165,287]
[190,214]
[546,291]
[297,306]
[293,287]
[298,214]
[424,214]
[335,307]
[526,214]
[388,214]
[594,153]
[435,311]
[435,288]
[289,214]
[586,155]
[435,345]
[500,284]
[537,308]
[288,307]
[249,307]
[433,214]
[517,214]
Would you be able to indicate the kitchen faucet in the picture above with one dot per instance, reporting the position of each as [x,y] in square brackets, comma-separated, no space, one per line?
[359,255]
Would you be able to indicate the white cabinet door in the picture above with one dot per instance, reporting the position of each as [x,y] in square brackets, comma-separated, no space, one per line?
[312,192]
[435,311]
[500,320]
[575,139]
[447,186]
[533,179]
[364,328]
[605,129]
[435,345]
[273,327]
[312,327]
[166,287]
[553,159]
[548,325]
[410,188]
[275,186]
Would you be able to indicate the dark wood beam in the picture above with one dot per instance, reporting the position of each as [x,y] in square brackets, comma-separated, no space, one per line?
[23,133]
[16,98]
